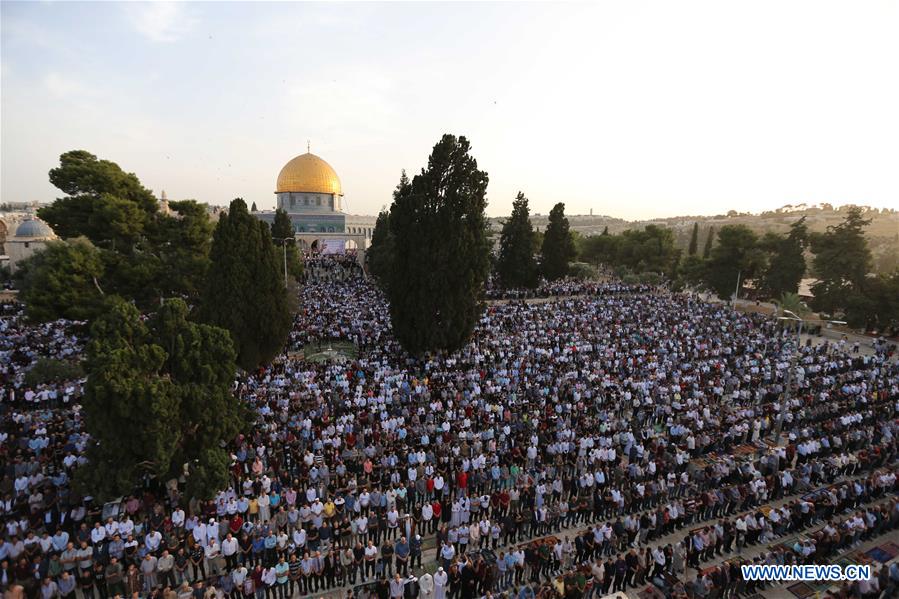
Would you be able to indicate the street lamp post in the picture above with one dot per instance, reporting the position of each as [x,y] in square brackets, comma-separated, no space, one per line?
[284,245]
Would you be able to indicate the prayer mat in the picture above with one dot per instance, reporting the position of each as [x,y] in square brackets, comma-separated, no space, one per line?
[891,548]
[801,590]
[650,592]
[879,555]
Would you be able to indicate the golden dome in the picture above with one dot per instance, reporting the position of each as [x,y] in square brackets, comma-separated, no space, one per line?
[308,173]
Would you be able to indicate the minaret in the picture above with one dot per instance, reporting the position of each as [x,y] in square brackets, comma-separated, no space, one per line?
[164,204]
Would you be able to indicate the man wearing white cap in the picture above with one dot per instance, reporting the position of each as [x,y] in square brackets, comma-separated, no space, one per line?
[440,579]
[426,586]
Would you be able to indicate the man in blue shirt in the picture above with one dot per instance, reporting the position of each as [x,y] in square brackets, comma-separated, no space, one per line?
[60,541]
[526,592]
[270,542]
[401,551]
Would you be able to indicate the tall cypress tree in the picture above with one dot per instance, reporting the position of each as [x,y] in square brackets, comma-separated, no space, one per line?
[694,240]
[245,291]
[380,253]
[282,232]
[558,247]
[282,228]
[707,251]
[517,266]
[441,255]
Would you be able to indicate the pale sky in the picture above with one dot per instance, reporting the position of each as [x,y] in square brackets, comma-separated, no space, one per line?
[633,109]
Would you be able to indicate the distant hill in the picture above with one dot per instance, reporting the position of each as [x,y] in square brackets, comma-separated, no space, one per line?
[883,232]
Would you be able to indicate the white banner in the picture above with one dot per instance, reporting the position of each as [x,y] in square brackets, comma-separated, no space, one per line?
[333,246]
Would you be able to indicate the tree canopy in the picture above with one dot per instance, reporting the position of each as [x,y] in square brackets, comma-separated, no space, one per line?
[379,255]
[651,249]
[145,255]
[558,247]
[157,398]
[736,255]
[709,240]
[516,265]
[786,260]
[245,291]
[62,281]
[104,203]
[283,233]
[694,240]
[441,252]
[841,262]
[282,228]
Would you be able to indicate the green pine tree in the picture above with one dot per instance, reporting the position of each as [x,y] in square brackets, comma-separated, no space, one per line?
[516,265]
[736,256]
[842,261]
[379,255]
[282,228]
[62,281]
[707,250]
[283,236]
[146,255]
[441,251]
[558,248]
[694,240]
[245,291]
[158,396]
[786,265]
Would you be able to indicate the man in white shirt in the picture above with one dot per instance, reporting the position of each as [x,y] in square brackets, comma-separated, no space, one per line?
[152,541]
[199,533]
[299,539]
[212,551]
[98,533]
[229,550]
[178,518]
[238,577]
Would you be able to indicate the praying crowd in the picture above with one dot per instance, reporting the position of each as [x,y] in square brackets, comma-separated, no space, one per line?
[616,437]
[332,268]
[564,287]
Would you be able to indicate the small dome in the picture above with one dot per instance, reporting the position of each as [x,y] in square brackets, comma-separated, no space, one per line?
[308,173]
[33,227]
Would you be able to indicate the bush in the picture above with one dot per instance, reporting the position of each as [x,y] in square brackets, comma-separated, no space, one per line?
[650,278]
[582,271]
[50,370]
